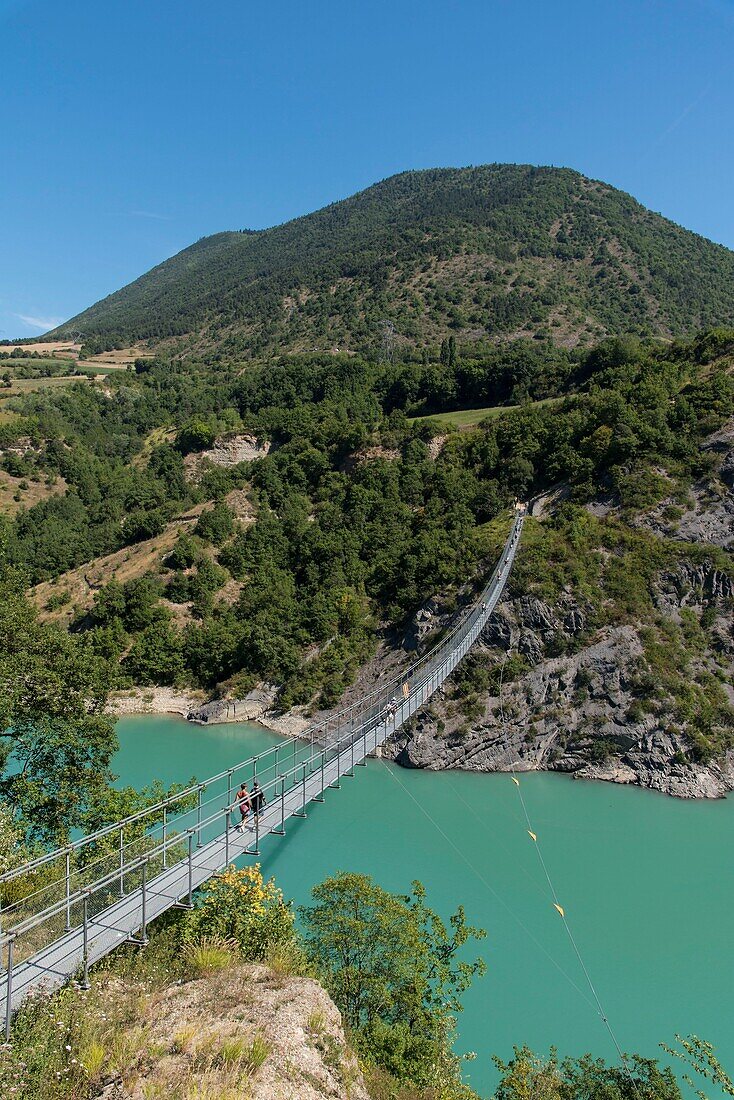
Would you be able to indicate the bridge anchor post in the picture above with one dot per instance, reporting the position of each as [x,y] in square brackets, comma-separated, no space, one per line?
[122,863]
[302,811]
[350,773]
[281,830]
[189,903]
[363,763]
[199,793]
[67,925]
[142,939]
[85,940]
[320,796]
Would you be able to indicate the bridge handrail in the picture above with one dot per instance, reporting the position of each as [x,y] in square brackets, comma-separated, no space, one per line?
[168,842]
[360,705]
[130,865]
[409,671]
[99,834]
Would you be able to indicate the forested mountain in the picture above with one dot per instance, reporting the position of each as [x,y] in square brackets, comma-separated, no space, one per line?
[488,252]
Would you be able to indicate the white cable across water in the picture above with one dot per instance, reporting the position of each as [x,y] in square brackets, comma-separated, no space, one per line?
[532,833]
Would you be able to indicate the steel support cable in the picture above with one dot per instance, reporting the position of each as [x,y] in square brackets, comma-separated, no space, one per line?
[433,661]
[134,864]
[597,1005]
[175,828]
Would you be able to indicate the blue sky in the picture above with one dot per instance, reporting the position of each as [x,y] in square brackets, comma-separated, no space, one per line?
[130,128]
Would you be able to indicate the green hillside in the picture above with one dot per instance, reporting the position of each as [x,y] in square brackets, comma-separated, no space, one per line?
[487,252]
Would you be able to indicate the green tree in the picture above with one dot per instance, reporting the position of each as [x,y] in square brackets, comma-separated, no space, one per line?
[528,1076]
[393,967]
[196,435]
[141,525]
[56,743]
[155,656]
[700,1057]
[216,524]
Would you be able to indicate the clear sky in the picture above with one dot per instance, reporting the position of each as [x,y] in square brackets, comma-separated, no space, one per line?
[129,128]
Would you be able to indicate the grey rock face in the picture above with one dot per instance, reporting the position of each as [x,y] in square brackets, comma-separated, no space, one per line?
[580,712]
[251,706]
[424,622]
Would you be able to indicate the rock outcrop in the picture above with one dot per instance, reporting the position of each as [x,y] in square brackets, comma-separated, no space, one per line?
[577,713]
[228,451]
[252,706]
[244,1032]
[576,706]
[575,700]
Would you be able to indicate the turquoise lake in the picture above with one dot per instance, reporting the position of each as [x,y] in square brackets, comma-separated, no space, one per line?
[646,882]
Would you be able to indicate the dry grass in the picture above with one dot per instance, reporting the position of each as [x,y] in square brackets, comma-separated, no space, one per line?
[465,419]
[236,1034]
[120,358]
[22,386]
[80,584]
[251,1037]
[209,955]
[35,491]
[54,349]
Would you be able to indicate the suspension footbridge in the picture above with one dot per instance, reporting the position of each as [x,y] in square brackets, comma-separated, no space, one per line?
[78,903]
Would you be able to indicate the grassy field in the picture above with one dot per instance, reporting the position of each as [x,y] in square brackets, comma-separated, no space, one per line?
[19,386]
[469,418]
[88,367]
[31,385]
[63,349]
[56,363]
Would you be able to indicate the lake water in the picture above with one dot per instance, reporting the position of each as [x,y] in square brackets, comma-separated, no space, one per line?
[646,882]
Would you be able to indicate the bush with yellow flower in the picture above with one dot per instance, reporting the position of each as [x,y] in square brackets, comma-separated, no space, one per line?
[240,906]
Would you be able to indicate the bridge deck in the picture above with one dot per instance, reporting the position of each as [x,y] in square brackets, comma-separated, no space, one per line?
[54,964]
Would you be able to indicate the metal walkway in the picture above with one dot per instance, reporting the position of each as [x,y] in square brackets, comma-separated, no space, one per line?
[104,889]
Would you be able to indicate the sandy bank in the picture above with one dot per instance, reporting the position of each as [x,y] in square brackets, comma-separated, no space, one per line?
[153,700]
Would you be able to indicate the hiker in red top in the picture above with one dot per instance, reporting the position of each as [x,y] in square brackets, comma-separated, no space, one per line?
[242,799]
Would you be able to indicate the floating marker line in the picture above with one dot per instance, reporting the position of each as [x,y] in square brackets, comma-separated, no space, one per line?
[478,874]
[556,903]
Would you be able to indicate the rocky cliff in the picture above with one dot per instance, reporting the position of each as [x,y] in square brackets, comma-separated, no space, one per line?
[244,1032]
[578,713]
[574,684]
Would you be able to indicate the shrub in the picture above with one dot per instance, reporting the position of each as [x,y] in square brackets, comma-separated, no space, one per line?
[240,907]
[216,524]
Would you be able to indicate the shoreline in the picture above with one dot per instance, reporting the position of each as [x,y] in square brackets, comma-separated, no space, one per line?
[182,703]
[153,700]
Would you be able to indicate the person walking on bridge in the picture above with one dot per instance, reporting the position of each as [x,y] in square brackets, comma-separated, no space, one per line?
[257,800]
[242,799]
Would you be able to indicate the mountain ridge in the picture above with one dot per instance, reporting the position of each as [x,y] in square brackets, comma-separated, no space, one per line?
[486,252]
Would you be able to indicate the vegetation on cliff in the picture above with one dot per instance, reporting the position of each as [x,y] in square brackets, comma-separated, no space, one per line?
[290,566]
[192,1017]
